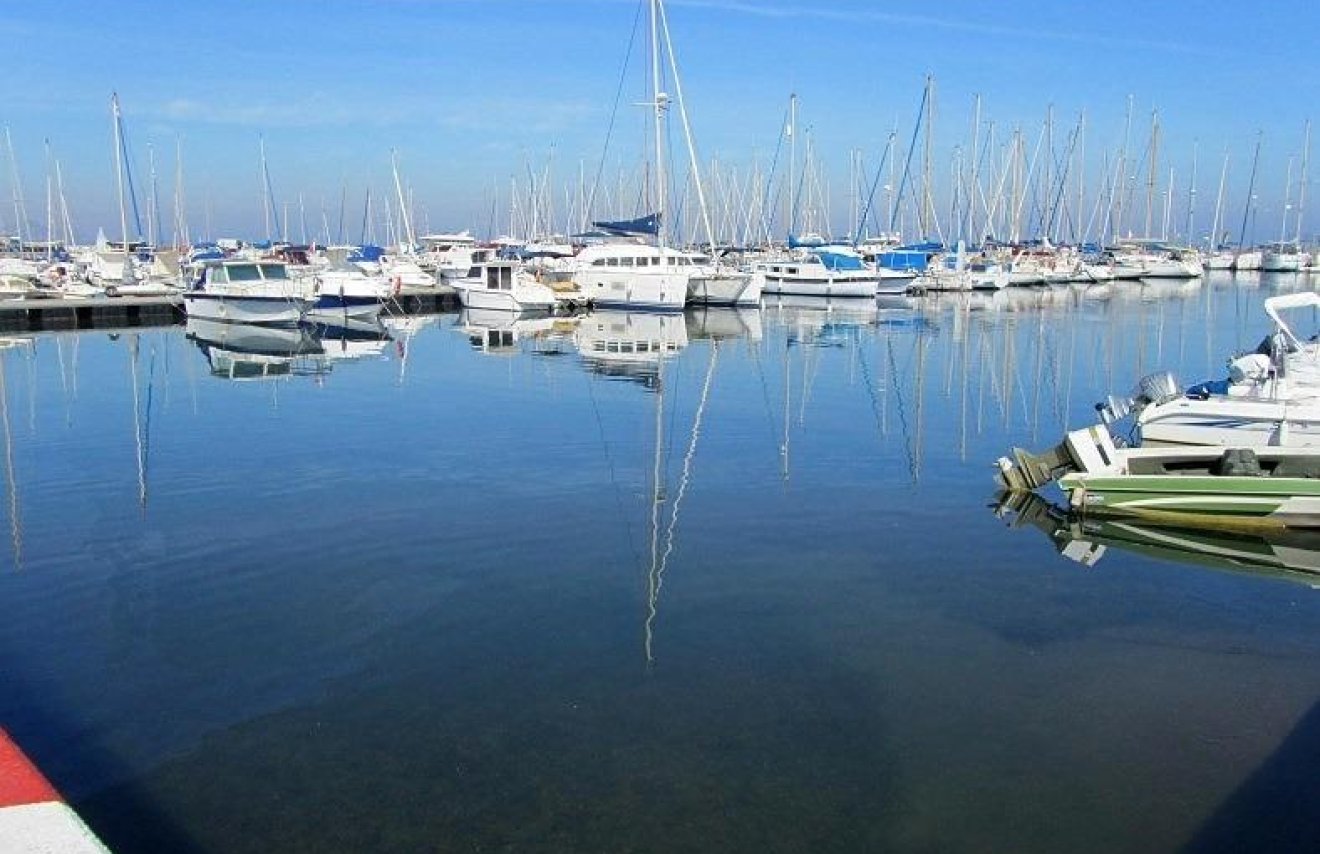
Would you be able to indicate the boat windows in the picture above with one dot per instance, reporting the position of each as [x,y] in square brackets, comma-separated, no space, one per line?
[625,262]
[244,273]
[274,271]
[499,278]
[611,262]
[599,262]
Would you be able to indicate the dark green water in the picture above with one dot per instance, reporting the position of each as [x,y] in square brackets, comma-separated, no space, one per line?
[749,597]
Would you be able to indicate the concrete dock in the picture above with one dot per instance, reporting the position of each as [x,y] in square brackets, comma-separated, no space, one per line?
[102,312]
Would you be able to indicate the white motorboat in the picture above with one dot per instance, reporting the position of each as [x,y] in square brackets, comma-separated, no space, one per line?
[1270,398]
[343,290]
[819,271]
[256,292]
[716,284]
[502,286]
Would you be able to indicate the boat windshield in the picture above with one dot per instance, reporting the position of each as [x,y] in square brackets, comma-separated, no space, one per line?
[243,273]
[274,271]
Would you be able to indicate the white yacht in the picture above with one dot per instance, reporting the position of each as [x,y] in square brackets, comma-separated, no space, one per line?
[634,275]
[257,292]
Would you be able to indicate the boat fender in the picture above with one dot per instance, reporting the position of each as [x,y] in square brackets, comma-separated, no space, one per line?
[398,285]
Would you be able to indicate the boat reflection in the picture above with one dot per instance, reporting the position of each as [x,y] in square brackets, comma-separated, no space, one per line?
[350,339]
[244,352]
[629,344]
[712,323]
[497,332]
[1292,554]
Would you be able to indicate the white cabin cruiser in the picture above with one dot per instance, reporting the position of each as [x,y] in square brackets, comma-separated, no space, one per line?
[819,271]
[257,292]
[502,286]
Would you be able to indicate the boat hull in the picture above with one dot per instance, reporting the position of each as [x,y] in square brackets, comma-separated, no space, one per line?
[260,310]
[335,306]
[723,289]
[1211,500]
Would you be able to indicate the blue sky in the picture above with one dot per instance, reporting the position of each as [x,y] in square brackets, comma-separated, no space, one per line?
[474,92]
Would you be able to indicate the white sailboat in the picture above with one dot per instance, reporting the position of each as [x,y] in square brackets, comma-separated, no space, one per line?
[632,274]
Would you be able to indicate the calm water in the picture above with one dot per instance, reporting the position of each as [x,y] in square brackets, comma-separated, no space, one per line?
[480,589]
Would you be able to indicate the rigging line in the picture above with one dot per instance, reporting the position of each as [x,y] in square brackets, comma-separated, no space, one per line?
[907,165]
[658,581]
[614,111]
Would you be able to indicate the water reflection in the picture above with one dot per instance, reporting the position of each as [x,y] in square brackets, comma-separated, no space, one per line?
[630,345]
[567,578]
[244,352]
[1293,554]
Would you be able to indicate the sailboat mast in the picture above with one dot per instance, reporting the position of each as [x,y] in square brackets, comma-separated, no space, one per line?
[152,207]
[50,206]
[1301,191]
[687,129]
[791,208]
[1191,198]
[1219,205]
[1150,168]
[119,169]
[265,188]
[1251,188]
[659,103]
[403,206]
[1287,201]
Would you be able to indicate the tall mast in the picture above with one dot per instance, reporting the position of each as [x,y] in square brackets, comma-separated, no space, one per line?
[403,206]
[119,169]
[792,162]
[1287,202]
[1151,167]
[1251,188]
[1219,206]
[180,225]
[660,102]
[1189,237]
[927,200]
[265,188]
[1301,191]
[20,212]
[1119,217]
[50,206]
[687,129]
[152,206]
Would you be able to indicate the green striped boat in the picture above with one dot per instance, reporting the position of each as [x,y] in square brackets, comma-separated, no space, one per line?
[1239,488]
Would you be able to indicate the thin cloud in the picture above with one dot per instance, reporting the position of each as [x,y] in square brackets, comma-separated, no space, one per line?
[958,24]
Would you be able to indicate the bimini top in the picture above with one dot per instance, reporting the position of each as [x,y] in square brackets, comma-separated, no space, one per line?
[1286,302]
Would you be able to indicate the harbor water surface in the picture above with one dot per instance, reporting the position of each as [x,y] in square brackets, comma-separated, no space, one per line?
[530,587]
